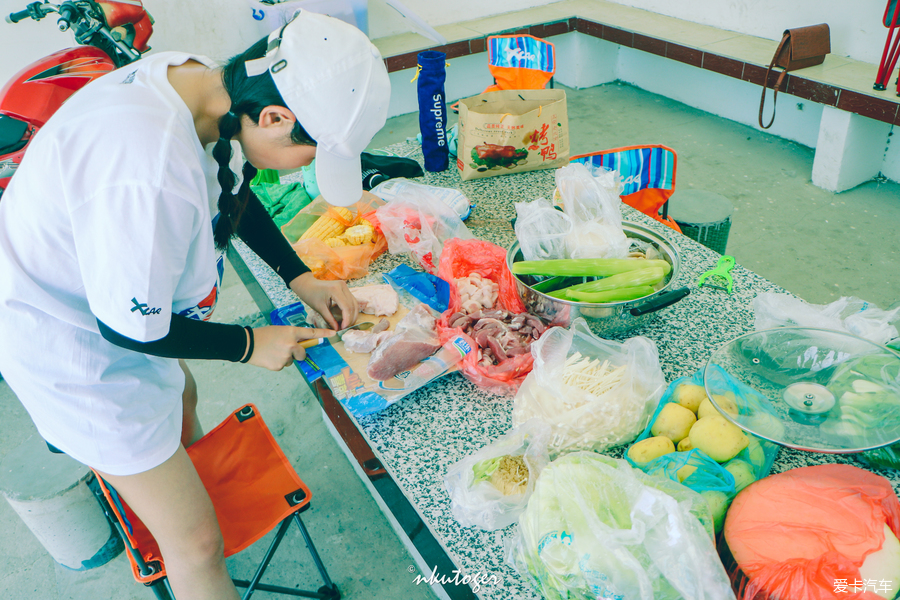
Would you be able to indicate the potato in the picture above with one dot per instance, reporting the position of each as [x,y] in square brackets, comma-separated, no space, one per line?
[650,448]
[742,472]
[718,506]
[685,472]
[718,438]
[708,408]
[685,444]
[755,452]
[689,395]
[674,421]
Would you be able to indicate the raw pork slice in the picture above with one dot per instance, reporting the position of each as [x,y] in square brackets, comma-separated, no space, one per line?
[376,299]
[414,340]
[363,342]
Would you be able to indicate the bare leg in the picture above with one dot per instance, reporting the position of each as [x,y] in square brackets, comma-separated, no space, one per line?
[171,501]
[191,431]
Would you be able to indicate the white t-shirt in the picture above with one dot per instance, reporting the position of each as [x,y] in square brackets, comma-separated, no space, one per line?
[109,218]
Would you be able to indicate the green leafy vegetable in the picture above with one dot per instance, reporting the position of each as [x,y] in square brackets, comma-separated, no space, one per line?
[485,468]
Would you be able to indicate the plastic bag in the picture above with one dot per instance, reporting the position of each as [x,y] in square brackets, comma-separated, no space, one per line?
[542,231]
[752,463]
[459,259]
[342,262]
[593,205]
[580,420]
[482,503]
[416,221]
[281,201]
[424,287]
[804,532]
[848,313]
[596,528]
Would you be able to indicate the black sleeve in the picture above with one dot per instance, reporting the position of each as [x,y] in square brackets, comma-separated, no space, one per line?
[260,233]
[188,338]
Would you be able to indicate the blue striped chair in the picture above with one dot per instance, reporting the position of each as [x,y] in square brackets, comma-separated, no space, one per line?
[648,176]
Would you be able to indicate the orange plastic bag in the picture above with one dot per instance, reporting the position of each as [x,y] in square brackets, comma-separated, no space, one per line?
[342,262]
[805,533]
[459,259]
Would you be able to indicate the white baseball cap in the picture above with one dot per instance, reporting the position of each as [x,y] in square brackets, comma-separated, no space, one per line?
[334,81]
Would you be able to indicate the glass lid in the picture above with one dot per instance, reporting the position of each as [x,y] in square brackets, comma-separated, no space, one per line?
[810,389]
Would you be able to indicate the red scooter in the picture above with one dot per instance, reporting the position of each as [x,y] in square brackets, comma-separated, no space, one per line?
[111,33]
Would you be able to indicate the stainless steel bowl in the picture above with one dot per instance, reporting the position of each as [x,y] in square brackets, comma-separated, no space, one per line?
[614,317]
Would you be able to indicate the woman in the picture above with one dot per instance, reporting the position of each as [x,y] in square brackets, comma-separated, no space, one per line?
[109,258]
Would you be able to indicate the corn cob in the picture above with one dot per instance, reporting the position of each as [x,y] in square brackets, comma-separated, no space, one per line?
[326,227]
[359,234]
[335,242]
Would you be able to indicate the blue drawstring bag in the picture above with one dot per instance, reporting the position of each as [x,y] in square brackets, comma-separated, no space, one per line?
[433,110]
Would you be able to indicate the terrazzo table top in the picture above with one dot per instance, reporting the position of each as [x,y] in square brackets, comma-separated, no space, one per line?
[421,436]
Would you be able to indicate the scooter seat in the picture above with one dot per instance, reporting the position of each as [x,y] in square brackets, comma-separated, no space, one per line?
[11,132]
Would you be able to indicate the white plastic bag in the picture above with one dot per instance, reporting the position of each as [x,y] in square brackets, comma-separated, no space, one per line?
[417,222]
[592,203]
[597,528]
[848,314]
[482,504]
[542,231]
[580,420]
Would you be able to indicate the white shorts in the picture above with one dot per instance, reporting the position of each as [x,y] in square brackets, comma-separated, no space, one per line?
[112,409]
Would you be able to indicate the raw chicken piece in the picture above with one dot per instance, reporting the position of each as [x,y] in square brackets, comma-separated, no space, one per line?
[363,342]
[414,339]
[376,299]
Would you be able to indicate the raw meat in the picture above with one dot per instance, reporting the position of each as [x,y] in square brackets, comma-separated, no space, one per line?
[376,299]
[363,342]
[499,334]
[381,325]
[414,339]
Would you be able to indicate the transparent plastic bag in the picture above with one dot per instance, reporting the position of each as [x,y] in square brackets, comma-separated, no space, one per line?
[848,313]
[421,224]
[593,205]
[482,503]
[580,420]
[597,528]
[542,231]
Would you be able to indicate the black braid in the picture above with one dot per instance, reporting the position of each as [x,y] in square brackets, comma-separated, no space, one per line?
[230,208]
[249,96]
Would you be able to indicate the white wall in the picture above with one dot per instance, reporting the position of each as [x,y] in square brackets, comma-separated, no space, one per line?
[856,27]
[221,28]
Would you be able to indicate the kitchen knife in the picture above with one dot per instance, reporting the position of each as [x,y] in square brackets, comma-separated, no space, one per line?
[337,337]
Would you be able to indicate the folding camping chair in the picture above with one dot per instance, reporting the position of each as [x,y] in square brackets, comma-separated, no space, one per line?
[253,488]
[519,62]
[648,176]
[891,20]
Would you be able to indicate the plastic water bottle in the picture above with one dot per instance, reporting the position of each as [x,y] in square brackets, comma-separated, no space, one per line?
[455,199]
[438,363]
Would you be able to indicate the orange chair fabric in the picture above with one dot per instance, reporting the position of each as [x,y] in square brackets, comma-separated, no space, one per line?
[249,479]
[520,62]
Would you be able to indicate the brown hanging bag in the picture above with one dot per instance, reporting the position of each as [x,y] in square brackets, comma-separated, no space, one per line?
[799,48]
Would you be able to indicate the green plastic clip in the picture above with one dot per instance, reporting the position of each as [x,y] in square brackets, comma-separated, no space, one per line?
[722,270]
